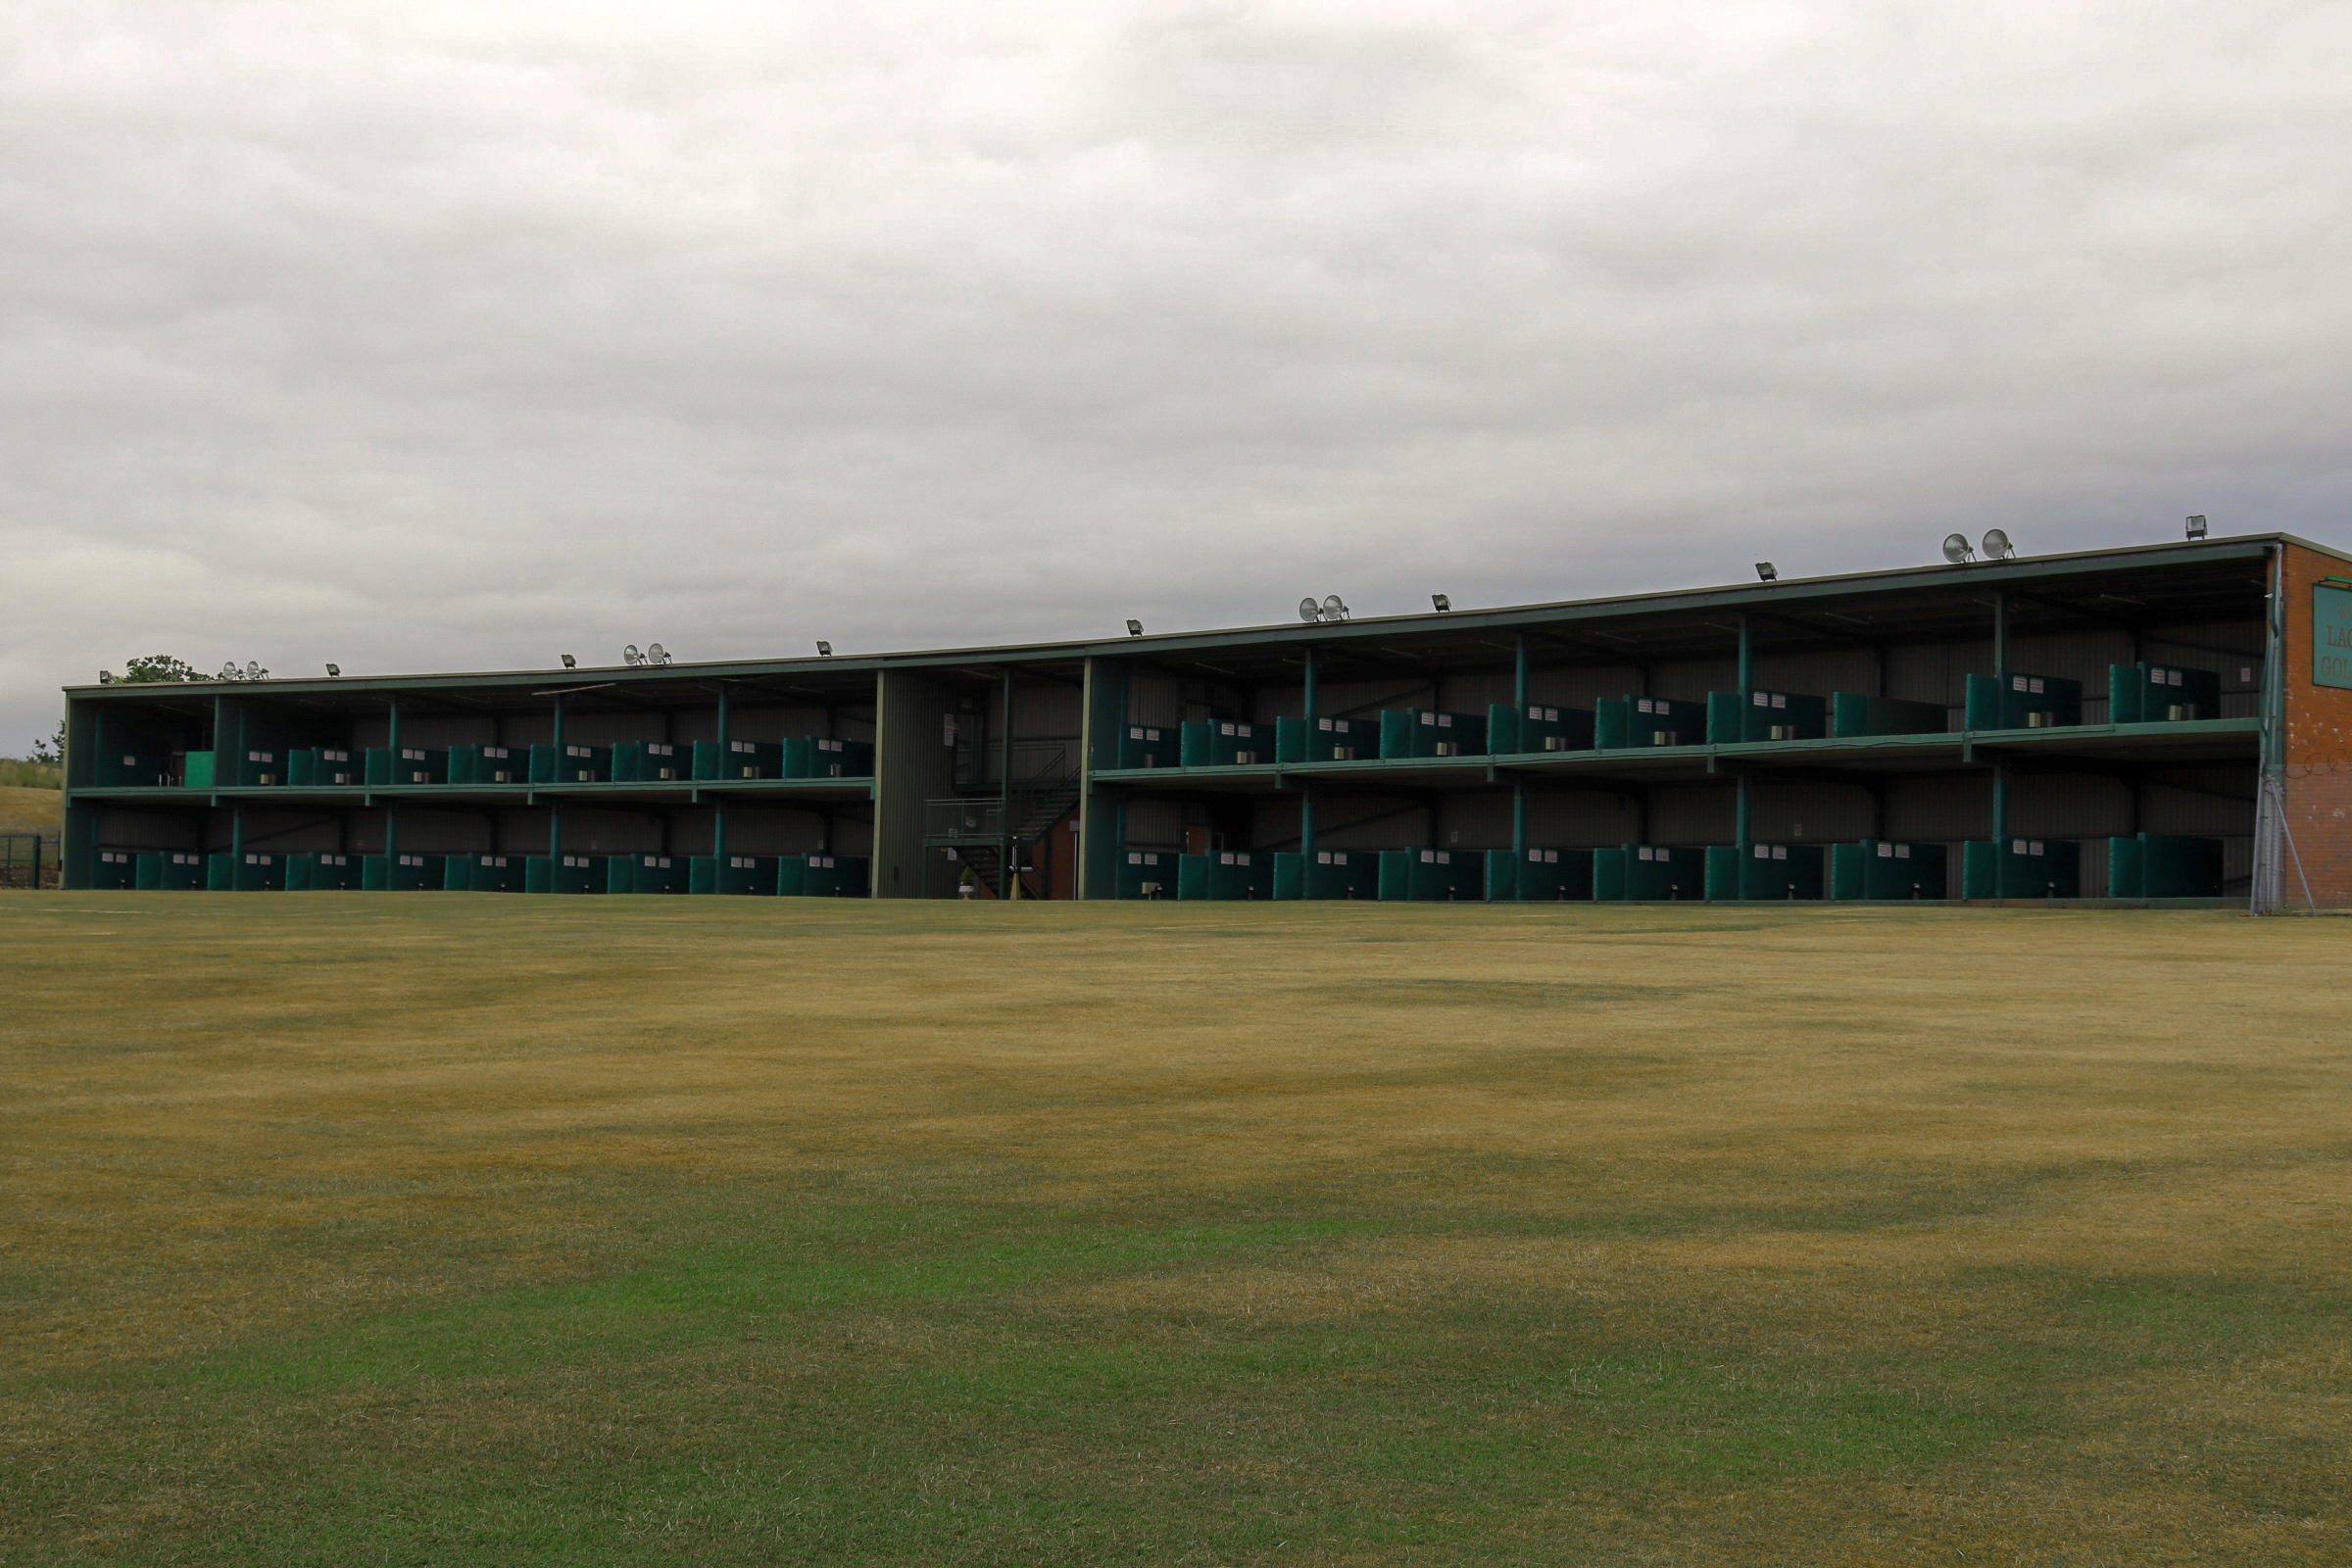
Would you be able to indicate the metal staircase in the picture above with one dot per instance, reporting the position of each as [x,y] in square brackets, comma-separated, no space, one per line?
[992,834]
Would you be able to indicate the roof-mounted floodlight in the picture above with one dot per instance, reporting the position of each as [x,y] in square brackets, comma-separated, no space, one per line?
[1766,572]
[1309,608]
[2196,526]
[334,669]
[254,671]
[106,677]
[1957,550]
[656,653]
[230,671]
[1335,609]
[1997,546]
[570,663]
[825,650]
[1135,628]
[1441,603]
[630,655]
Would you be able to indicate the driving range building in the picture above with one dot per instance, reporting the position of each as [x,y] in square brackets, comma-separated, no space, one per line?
[2157,724]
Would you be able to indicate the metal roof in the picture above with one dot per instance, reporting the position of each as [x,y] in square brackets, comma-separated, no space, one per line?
[2169,582]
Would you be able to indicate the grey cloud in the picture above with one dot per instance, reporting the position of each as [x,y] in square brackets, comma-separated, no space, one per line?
[423,338]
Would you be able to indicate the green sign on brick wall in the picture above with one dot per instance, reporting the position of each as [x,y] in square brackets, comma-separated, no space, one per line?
[2331,635]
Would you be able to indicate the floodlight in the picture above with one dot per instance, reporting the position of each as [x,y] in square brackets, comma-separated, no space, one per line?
[825,650]
[1135,628]
[1997,546]
[1767,573]
[570,663]
[1957,550]
[630,655]
[656,653]
[230,671]
[334,669]
[1310,609]
[2196,526]
[106,677]
[1441,603]
[1335,609]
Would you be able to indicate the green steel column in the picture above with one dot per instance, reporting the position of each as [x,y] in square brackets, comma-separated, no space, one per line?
[1518,825]
[723,720]
[1004,866]
[555,837]
[1519,673]
[2001,805]
[391,838]
[2000,633]
[558,737]
[1742,831]
[1306,823]
[719,832]
[236,843]
[1306,704]
[1748,669]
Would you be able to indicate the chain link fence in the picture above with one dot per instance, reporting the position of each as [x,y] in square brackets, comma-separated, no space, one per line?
[30,860]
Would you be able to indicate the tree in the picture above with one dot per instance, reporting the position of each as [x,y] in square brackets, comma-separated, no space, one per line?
[156,669]
[50,752]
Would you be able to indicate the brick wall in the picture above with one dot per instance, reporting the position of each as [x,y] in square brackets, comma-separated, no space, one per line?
[2317,746]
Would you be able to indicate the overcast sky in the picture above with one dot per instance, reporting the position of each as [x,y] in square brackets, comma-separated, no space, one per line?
[432,337]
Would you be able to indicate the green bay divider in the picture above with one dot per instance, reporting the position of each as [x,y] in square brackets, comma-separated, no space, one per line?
[322,871]
[737,759]
[489,764]
[1226,743]
[1416,732]
[1623,722]
[733,873]
[1326,740]
[325,767]
[1147,874]
[1225,874]
[1765,716]
[566,874]
[117,770]
[2013,700]
[1539,876]
[197,770]
[1766,872]
[646,873]
[115,871]
[2161,694]
[413,764]
[1432,876]
[1879,870]
[2021,868]
[403,873]
[821,757]
[1644,873]
[485,873]
[1852,715]
[1538,728]
[170,870]
[571,764]
[2160,865]
[1329,874]
[823,876]
[250,872]
[651,763]
[1151,745]
[252,768]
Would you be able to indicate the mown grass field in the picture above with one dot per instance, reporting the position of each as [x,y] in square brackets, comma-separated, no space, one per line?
[350,1229]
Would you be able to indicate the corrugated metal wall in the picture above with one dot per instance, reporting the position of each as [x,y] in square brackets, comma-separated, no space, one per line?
[913,763]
